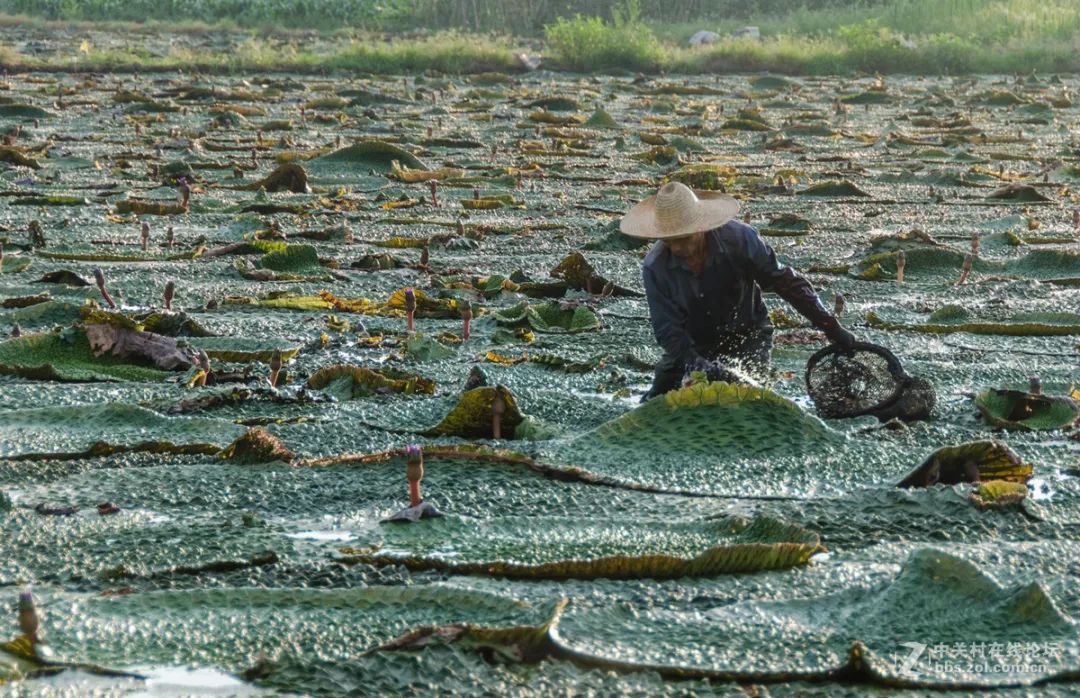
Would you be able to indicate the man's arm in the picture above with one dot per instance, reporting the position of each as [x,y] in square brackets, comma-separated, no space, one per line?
[668,320]
[793,288]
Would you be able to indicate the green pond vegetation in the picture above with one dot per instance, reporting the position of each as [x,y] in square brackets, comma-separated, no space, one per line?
[247,319]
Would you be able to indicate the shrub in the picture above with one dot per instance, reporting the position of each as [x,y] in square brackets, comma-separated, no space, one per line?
[590,43]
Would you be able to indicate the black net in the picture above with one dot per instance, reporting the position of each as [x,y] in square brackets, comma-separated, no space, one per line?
[867,380]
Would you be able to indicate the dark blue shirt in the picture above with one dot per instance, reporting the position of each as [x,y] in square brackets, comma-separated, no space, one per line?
[690,313]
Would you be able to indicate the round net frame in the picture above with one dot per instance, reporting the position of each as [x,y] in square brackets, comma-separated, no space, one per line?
[868,379]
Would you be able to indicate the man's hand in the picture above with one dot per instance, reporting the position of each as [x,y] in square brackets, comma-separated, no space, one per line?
[713,370]
[842,338]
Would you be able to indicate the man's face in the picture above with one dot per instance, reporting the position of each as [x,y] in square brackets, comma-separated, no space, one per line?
[685,246]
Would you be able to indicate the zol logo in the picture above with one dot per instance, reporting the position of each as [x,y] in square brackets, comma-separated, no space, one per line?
[917,649]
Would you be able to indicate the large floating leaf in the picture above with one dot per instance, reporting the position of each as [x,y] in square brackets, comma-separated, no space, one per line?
[601,119]
[842,188]
[552,548]
[969,462]
[13,265]
[578,274]
[554,318]
[296,259]
[847,633]
[1025,325]
[289,176]
[365,155]
[714,422]
[23,111]
[67,356]
[244,349]
[868,97]
[348,382]
[257,446]
[19,659]
[1018,193]
[705,176]
[73,431]
[472,416]
[1015,409]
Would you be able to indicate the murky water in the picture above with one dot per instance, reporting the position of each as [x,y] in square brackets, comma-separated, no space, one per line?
[217,577]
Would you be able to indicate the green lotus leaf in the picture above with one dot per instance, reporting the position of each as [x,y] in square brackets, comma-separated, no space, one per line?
[16,156]
[745,125]
[973,461]
[553,318]
[868,97]
[152,208]
[366,98]
[906,240]
[295,259]
[65,277]
[785,225]
[244,349]
[471,417]
[820,129]
[347,382]
[377,155]
[328,103]
[420,347]
[547,117]
[257,446]
[1018,410]
[770,82]
[19,660]
[675,88]
[1023,325]
[841,188]
[13,265]
[663,155]
[68,357]
[426,306]
[705,176]
[286,302]
[288,176]
[1018,193]
[80,256]
[999,494]
[578,274]
[75,431]
[704,420]
[511,315]
[23,111]
[950,313]
[172,324]
[47,314]
[998,98]
[601,119]
[555,104]
[151,106]
[573,548]
[378,262]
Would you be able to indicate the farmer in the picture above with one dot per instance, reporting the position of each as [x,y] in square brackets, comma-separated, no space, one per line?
[703,280]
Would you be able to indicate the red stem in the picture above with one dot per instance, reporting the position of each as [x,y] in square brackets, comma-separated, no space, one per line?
[414,494]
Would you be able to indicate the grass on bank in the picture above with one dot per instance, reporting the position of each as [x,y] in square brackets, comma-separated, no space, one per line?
[984,36]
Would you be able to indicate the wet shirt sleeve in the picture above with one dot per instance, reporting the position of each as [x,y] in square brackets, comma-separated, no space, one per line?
[784,281]
[669,321]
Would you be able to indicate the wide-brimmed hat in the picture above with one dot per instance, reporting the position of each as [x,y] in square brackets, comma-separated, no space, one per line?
[677,211]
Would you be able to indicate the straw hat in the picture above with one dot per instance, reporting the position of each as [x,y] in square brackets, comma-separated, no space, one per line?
[677,211]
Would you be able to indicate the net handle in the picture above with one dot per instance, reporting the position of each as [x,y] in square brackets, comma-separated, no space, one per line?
[896,369]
